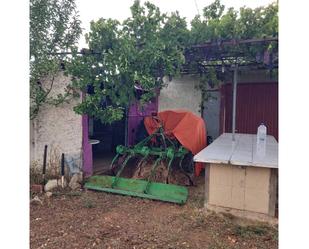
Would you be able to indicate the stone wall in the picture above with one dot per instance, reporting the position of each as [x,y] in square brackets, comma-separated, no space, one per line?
[58,127]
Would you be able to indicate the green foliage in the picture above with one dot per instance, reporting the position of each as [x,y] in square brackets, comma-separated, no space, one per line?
[88,202]
[54,28]
[208,80]
[217,25]
[251,231]
[214,10]
[139,51]
[247,23]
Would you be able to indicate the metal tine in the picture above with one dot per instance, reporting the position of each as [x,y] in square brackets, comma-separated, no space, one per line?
[120,171]
[184,172]
[168,169]
[155,165]
[140,163]
[114,160]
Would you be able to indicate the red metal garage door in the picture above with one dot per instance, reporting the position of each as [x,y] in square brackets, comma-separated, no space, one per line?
[256,103]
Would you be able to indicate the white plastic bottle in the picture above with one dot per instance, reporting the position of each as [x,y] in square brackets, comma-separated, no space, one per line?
[261,140]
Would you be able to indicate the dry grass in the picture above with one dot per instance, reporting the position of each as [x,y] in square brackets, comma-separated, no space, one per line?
[53,167]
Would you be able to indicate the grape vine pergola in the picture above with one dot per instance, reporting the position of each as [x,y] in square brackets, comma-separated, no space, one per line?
[227,56]
[141,50]
[233,56]
[246,53]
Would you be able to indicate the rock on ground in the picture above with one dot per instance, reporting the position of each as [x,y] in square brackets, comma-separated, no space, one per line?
[76,180]
[52,184]
[36,201]
[75,185]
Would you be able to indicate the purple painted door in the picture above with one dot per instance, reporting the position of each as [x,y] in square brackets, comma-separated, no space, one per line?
[136,114]
[87,148]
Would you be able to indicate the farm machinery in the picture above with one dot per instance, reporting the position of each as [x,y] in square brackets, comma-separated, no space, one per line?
[161,147]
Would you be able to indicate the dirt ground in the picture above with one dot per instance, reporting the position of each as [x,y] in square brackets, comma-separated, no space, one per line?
[87,219]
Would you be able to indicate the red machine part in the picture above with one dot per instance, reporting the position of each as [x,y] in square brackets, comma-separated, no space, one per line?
[188,128]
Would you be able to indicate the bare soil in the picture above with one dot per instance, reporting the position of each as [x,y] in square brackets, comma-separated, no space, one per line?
[87,219]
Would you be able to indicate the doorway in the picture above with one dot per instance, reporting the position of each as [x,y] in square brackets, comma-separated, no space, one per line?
[97,157]
[105,138]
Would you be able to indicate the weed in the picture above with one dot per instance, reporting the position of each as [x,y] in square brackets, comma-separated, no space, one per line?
[184,216]
[197,201]
[52,168]
[73,193]
[200,221]
[249,231]
[275,236]
[88,203]
[35,173]
[217,243]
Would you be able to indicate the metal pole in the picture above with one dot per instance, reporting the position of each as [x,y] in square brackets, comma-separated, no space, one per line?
[234,100]
[126,126]
[44,164]
[62,170]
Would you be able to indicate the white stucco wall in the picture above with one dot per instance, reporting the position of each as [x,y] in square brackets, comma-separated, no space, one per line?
[181,93]
[211,114]
[58,127]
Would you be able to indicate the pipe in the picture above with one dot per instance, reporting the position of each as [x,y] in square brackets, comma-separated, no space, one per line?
[234,101]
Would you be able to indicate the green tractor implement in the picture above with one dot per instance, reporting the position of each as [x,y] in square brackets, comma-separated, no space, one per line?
[159,148]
